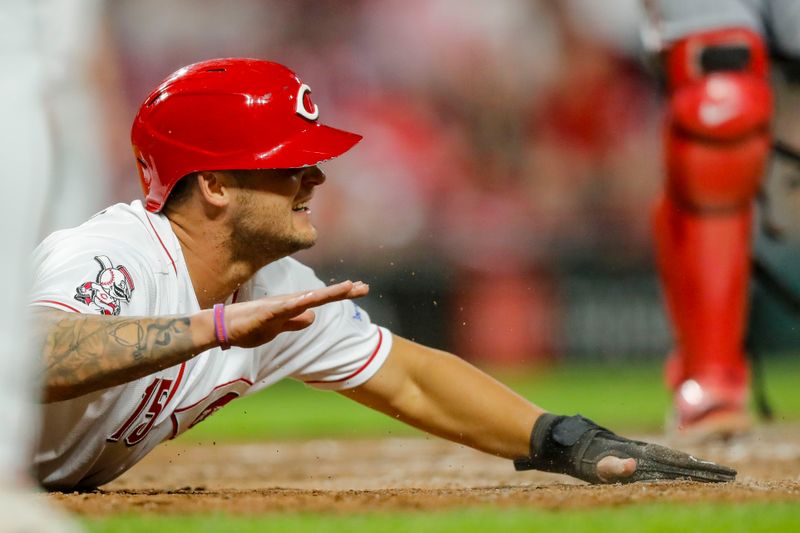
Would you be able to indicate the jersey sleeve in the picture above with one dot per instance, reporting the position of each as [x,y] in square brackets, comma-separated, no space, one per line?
[342,349]
[89,274]
[342,355]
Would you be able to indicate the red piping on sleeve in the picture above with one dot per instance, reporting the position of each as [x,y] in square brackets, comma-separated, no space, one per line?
[56,303]
[357,372]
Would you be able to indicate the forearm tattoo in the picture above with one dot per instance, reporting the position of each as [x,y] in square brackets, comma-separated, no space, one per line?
[84,353]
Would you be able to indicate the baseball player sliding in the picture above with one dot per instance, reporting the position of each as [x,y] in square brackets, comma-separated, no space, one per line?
[154,315]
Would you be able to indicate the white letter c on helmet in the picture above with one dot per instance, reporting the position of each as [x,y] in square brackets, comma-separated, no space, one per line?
[301,110]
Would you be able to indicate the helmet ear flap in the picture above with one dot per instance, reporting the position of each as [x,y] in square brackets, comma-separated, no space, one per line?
[180,191]
[144,175]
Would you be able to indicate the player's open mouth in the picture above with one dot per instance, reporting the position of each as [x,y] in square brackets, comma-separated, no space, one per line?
[301,207]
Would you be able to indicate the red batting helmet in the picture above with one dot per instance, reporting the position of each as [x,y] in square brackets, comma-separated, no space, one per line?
[228,114]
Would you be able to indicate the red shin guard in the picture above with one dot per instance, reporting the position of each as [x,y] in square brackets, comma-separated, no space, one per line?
[717,142]
[704,264]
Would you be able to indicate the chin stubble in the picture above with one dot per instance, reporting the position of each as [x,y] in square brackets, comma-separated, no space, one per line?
[251,243]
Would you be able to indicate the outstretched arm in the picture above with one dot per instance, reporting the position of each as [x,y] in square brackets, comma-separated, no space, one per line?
[85,353]
[446,396]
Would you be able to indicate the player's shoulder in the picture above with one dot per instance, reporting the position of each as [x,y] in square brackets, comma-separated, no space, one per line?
[111,264]
[118,228]
[119,221]
[119,233]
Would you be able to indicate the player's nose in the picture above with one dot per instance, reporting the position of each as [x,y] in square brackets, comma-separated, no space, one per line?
[313,176]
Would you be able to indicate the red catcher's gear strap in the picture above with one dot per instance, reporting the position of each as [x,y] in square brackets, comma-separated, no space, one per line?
[720,105]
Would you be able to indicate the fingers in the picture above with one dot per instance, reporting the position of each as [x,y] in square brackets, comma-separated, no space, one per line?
[258,321]
[639,461]
[617,470]
[659,462]
[331,293]
[688,463]
[611,469]
[359,289]
[301,321]
[708,471]
[339,291]
[650,470]
[298,303]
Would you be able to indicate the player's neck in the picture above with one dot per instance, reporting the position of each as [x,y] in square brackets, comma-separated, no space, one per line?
[214,272]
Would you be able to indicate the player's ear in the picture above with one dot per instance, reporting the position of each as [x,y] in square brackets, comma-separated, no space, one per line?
[215,188]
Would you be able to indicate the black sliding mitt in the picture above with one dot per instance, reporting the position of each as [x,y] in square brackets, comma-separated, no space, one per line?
[574,445]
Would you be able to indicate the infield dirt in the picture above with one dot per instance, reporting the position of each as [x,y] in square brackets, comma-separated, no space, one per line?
[411,473]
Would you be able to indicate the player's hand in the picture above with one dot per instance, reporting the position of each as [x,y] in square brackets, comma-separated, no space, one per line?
[578,447]
[254,323]
[627,461]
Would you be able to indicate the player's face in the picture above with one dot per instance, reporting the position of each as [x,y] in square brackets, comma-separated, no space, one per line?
[273,214]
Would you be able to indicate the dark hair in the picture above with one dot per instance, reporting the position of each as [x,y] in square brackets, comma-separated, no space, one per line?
[180,192]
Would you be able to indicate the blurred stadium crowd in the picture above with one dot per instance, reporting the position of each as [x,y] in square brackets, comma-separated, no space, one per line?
[500,201]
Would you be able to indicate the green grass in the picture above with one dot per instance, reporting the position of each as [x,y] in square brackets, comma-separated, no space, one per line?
[640,518]
[629,398]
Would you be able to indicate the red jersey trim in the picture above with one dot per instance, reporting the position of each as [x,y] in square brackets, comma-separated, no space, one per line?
[364,366]
[174,419]
[177,384]
[162,243]
[56,303]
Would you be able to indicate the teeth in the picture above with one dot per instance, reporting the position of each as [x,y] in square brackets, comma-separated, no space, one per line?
[300,207]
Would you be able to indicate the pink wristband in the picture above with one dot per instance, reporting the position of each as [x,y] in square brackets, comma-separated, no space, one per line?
[219,326]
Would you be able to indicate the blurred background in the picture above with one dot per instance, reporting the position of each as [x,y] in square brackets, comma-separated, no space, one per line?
[499,204]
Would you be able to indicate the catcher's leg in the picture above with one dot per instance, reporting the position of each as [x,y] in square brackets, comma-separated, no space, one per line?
[717,142]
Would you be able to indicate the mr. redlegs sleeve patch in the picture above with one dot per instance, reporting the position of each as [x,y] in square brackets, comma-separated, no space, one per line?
[106,293]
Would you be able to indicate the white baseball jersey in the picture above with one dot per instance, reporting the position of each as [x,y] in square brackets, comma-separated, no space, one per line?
[126,261]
